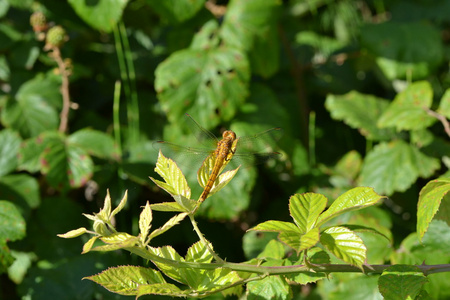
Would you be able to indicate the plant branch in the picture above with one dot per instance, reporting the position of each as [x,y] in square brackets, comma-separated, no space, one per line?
[202,238]
[282,270]
[65,73]
[441,118]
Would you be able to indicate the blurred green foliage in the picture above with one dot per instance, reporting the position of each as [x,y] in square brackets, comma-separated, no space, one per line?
[354,86]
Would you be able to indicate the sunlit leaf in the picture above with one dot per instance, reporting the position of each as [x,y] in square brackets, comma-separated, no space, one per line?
[400,282]
[278,226]
[168,206]
[167,289]
[175,182]
[273,249]
[121,205]
[169,253]
[175,220]
[344,244]
[430,199]
[199,253]
[407,111]
[73,233]
[125,280]
[145,220]
[89,244]
[395,166]
[272,287]
[356,198]
[305,209]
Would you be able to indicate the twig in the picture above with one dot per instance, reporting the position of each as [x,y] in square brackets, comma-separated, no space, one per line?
[441,118]
[65,73]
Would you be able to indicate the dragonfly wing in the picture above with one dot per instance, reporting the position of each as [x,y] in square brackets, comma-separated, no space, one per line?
[189,156]
[263,141]
[205,137]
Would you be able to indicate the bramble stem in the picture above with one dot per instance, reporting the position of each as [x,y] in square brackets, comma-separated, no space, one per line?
[202,238]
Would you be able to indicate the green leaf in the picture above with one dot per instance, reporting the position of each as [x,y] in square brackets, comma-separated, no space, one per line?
[176,11]
[175,220]
[395,166]
[169,253]
[23,190]
[247,20]
[125,280]
[397,53]
[13,225]
[308,240]
[119,207]
[444,104]
[408,110]
[361,112]
[145,221]
[66,165]
[306,208]
[94,142]
[430,199]
[344,244]
[89,244]
[175,182]
[354,199]
[168,206]
[192,79]
[31,151]
[9,149]
[365,229]
[199,253]
[272,287]
[277,226]
[265,54]
[166,289]
[33,110]
[400,282]
[274,249]
[101,14]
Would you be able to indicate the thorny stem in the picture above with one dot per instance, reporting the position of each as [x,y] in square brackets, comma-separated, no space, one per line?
[65,73]
[282,270]
[202,238]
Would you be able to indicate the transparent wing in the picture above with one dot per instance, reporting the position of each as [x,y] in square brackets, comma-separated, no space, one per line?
[188,156]
[204,137]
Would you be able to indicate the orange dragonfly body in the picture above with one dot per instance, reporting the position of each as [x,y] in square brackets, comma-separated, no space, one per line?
[229,147]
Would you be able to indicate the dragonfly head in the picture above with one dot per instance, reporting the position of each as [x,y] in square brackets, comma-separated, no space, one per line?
[228,134]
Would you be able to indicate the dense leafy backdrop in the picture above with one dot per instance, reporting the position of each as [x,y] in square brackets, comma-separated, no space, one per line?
[352,84]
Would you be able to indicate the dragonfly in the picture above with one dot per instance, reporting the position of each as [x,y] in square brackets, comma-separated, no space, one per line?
[230,147]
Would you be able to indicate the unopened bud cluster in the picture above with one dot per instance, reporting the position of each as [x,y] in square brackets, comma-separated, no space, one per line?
[55,37]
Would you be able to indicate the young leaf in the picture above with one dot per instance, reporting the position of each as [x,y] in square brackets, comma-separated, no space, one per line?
[354,199]
[344,244]
[401,282]
[88,245]
[121,205]
[305,209]
[407,111]
[430,199]
[165,289]
[73,233]
[394,166]
[145,220]
[175,182]
[125,280]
